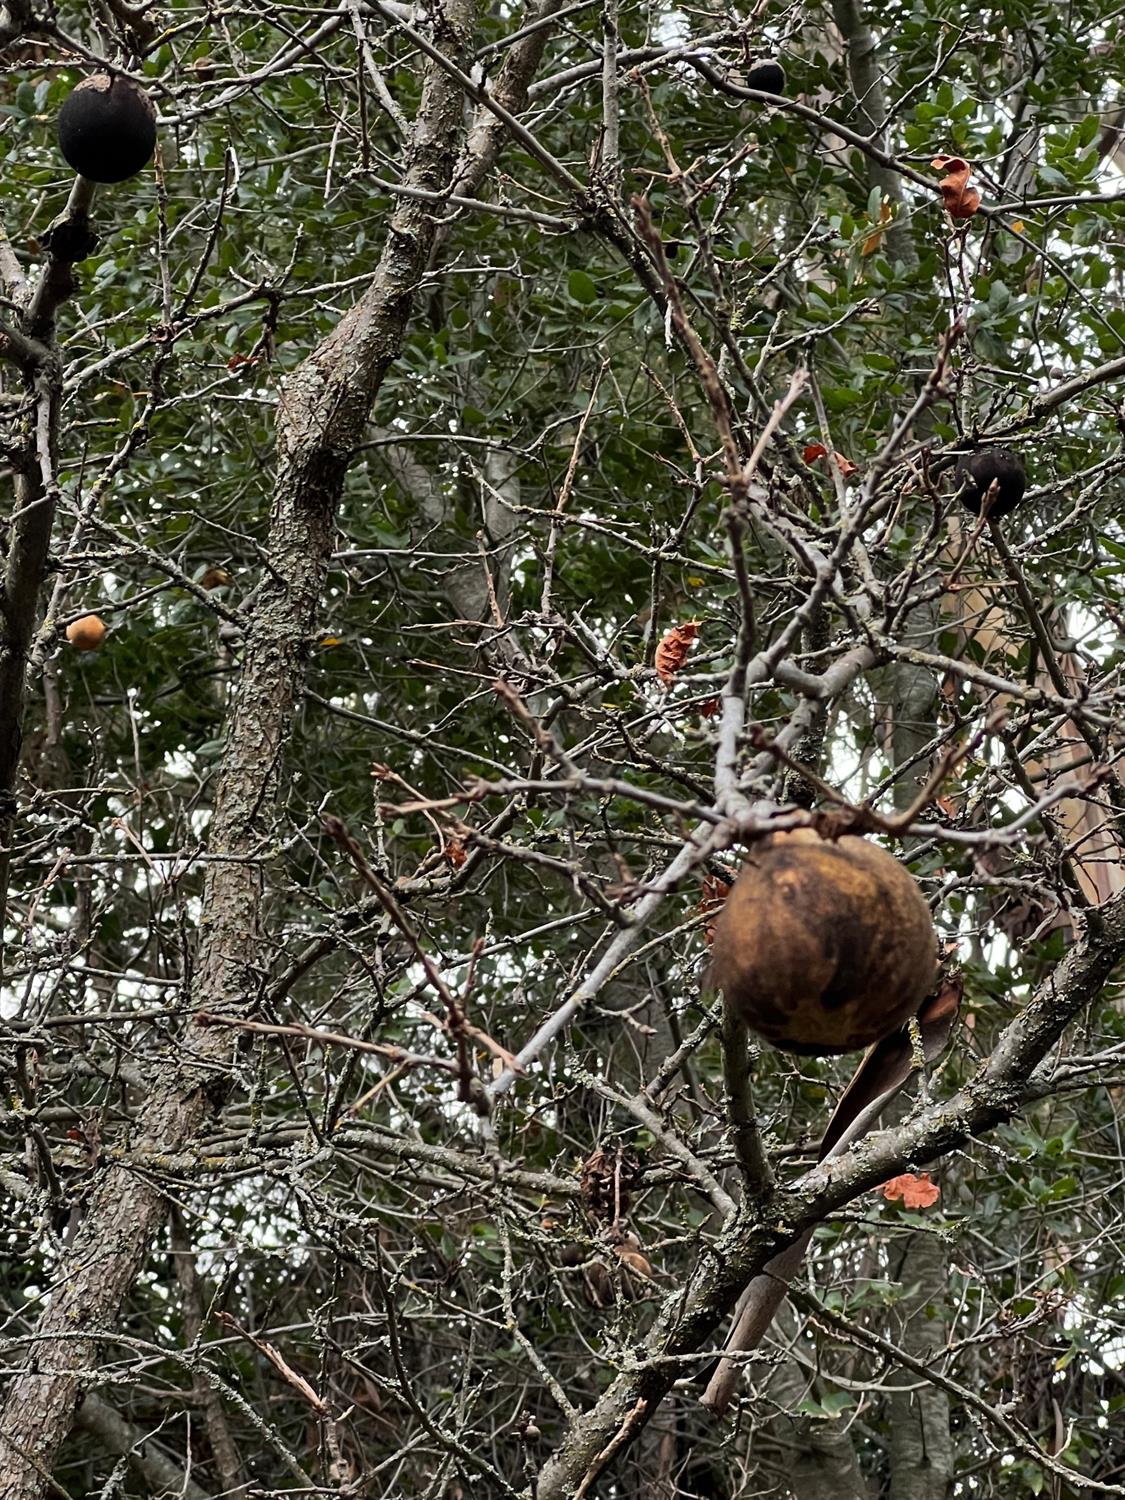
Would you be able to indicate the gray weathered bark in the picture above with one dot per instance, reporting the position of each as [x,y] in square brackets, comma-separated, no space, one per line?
[824,1462]
[921,1447]
[157,1470]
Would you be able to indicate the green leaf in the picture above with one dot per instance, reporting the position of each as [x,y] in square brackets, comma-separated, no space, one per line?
[582,287]
[842,398]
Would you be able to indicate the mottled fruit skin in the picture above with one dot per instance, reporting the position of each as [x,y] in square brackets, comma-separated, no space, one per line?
[823,947]
[767,76]
[86,633]
[975,473]
[107,128]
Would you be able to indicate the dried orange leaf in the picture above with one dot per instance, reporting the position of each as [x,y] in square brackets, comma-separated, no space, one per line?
[915,1192]
[673,650]
[715,892]
[961,200]
[454,853]
[844,464]
[875,238]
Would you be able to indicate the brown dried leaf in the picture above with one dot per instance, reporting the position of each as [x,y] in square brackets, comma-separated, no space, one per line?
[634,1260]
[673,650]
[715,892]
[609,1176]
[961,200]
[815,451]
[875,238]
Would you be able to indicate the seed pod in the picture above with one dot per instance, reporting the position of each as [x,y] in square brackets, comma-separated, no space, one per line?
[107,128]
[823,947]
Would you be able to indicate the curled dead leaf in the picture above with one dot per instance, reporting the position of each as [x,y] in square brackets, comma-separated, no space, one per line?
[875,238]
[715,892]
[815,451]
[454,853]
[672,652]
[609,1177]
[961,201]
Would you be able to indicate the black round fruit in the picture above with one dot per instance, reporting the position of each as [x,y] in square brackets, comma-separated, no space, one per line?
[107,128]
[767,76]
[976,472]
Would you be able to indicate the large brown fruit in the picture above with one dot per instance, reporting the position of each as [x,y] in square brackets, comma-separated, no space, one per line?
[823,947]
[107,128]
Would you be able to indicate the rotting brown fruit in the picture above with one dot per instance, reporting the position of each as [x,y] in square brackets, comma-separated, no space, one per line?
[107,128]
[823,947]
[976,473]
[86,633]
[769,76]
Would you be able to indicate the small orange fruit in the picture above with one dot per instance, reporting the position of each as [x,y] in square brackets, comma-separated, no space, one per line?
[86,633]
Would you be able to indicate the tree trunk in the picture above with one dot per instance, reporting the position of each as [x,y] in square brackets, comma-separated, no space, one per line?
[921,1448]
[322,412]
[824,1462]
